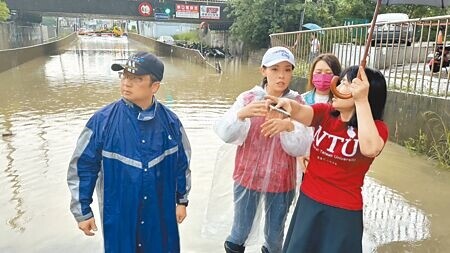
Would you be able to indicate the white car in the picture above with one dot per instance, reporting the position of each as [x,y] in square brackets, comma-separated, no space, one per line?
[386,32]
[166,39]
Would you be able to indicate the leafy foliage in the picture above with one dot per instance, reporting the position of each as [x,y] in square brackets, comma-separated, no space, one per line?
[435,142]
[255,20]
[415,11]
[191,36]
[4,11]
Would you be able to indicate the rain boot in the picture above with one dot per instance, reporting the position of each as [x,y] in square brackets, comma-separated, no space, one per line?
[233,248]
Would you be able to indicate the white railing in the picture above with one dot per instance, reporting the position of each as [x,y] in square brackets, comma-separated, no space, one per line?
[414,55]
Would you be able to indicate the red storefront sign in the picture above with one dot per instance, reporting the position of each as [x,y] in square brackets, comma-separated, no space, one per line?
[187,11]
[209,12]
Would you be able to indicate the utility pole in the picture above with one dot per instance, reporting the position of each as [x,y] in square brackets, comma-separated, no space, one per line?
[302,16]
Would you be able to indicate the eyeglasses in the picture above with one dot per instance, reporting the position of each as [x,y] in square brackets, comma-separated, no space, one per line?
[132,78]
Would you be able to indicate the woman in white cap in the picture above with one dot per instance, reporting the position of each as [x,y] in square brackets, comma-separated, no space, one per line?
[265,168]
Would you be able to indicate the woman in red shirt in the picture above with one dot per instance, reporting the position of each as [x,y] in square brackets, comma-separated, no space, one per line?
[348,135]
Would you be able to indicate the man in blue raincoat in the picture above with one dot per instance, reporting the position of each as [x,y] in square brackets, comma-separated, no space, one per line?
[136,154]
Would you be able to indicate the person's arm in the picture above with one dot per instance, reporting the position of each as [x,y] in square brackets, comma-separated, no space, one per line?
[233,127]
[370,142]
[295,138]
[299,112]
[82,177]
[183,173]
[296,41]
[297,141]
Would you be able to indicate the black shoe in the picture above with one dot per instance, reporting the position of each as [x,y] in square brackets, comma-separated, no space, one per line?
[233,248]
[264,249]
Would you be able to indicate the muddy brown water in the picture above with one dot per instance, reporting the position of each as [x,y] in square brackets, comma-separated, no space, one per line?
[45,103]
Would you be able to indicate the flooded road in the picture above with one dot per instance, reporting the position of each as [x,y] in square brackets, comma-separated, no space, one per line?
[45,103]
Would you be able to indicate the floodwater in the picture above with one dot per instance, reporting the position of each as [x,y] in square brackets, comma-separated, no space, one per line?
[45,103]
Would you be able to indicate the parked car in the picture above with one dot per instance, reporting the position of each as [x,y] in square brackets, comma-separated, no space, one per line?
[166,39]
[85,31]
[385,32]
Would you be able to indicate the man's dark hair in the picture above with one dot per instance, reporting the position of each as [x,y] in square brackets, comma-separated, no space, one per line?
[153,79]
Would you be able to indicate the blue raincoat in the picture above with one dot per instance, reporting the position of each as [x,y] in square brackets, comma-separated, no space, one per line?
[139,163]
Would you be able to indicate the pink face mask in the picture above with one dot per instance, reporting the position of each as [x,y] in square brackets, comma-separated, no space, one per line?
[322,82]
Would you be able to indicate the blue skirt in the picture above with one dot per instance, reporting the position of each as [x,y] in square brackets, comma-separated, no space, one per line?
[319,228]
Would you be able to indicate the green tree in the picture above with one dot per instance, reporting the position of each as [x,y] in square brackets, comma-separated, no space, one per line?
[321,13]
[415,11]
[4,11]
[357,9]
[255,20]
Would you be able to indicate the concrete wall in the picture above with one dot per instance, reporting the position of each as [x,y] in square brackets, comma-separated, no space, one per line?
[404,114]
[381,57]
[223,39]
[157,29]
[18,56]
[4,40]
[164,49]
[14,36]
[386,57]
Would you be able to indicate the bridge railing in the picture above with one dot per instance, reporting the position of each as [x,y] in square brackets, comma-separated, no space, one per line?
[413,55]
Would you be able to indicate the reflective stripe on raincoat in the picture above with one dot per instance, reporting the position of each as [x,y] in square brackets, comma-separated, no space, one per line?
[139,161]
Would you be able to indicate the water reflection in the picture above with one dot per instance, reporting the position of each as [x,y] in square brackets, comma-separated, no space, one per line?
[388,217]
[46,102]
[13,178]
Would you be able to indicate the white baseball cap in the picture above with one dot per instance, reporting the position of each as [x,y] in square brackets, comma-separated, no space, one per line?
[276,55]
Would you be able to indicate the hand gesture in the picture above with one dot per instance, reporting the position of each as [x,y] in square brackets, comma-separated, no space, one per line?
[253,109]
[280,102]
[88,225]
[302,163]
[274,126]
[360,87]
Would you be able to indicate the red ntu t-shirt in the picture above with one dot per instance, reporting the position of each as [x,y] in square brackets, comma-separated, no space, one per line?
[336,169]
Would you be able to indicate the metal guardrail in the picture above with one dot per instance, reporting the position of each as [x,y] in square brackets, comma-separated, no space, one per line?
[414,55]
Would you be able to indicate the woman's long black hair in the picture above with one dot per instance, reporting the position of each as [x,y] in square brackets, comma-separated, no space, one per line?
[377,92]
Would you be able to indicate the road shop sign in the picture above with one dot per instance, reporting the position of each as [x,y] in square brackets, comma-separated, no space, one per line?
[209,12]
[186,11]
[161,16]
[145,9]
